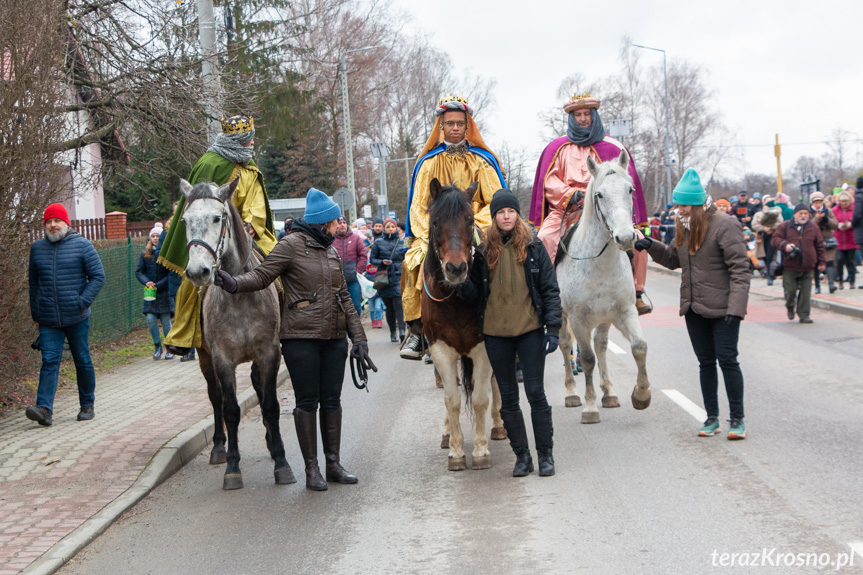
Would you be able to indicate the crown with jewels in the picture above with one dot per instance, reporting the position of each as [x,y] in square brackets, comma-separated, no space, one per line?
[450,102]
[580,101]
[237,124]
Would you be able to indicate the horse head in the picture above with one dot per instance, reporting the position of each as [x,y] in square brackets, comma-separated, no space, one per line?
[451,230]
[209,220]
[610,193]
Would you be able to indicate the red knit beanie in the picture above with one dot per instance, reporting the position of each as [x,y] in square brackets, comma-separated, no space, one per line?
[56,211]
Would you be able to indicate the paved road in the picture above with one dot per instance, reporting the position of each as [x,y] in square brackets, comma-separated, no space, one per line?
[637,493]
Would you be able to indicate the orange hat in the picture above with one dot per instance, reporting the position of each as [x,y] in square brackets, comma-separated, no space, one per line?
[723,202]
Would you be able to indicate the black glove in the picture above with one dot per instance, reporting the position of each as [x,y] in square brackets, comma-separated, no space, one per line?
[550,344]
[733,320]
[575,198]
[643,244]
[224,280]
[360,351]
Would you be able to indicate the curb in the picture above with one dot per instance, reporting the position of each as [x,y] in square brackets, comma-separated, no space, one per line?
[169,459]
[836,307]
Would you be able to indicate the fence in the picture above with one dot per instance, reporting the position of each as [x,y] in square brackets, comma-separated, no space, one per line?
[118,307]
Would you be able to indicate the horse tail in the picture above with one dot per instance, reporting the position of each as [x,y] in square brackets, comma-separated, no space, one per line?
[467,383]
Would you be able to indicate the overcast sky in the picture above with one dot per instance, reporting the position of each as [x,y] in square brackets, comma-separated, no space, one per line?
[790,67]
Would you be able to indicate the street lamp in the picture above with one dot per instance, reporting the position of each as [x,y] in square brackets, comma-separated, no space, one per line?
[667,137]
[349,154]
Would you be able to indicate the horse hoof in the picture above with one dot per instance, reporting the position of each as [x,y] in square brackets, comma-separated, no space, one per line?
[638,404]
[218,456]
[498,433]
[482,462]
[284,476]
[573,401]
[456,463]
[444,441]
[233,481]
[610,401]
[590,417]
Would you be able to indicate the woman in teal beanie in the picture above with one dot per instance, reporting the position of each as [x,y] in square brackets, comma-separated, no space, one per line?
[714,292]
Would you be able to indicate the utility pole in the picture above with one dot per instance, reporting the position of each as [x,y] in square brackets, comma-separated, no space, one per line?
[667,131]
[209,70]
[777,150]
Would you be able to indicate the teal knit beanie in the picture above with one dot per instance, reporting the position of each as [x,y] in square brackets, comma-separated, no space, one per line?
[689,191]
[319,208]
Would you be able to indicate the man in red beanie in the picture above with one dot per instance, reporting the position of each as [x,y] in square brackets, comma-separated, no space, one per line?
[65,277]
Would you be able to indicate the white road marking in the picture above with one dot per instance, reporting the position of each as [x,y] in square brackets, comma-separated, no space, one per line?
[616,349]
[857,547]
[687,405]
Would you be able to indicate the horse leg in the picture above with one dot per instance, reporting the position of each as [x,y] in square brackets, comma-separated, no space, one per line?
[446,360]
[497,429]
[565,346]
[258,385]
[600,347]
[480,458]
[268,372]
[630,327]
[588,361]
[214,390]
[231,410]
[444,440]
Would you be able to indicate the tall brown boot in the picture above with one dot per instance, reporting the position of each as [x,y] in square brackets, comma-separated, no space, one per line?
[331,433]
[307,436]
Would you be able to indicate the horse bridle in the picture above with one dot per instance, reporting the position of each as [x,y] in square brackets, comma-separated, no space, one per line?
[220,244]
[433,248]
[602,218]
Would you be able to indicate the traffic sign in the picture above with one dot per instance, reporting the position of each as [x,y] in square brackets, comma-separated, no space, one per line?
[345,199]
[392,214]
[619,128]
[379,150]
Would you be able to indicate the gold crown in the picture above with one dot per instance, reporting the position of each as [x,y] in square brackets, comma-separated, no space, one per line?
[238,124]
[577,96]
[580,101]
[450,98]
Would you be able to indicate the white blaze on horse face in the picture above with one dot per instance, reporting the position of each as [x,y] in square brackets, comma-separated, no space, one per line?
[203,219]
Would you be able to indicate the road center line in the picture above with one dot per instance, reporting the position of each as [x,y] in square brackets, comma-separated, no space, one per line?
[616,349]
[688,406]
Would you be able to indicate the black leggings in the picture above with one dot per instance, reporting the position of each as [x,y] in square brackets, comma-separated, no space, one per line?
[317,368]
[713,339]
[394,313]
[845,260]
[530,349]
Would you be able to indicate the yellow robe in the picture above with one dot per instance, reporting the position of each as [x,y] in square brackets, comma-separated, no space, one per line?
[250,199]
[450,170]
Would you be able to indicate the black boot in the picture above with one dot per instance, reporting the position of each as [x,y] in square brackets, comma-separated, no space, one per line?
[331,433]
[831,278]
[393,337]
[190,356]
[513,421]
[542,433]
[307,437]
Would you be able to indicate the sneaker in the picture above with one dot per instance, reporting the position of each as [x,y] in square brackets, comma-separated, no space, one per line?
[737,429]
[710,427]
[86,413]
[427,359]
[413,348]
[169,355]
[40,415]
[805,320]
[158,353]
[189,356]
[393,337]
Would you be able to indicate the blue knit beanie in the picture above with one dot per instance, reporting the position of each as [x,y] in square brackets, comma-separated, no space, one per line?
[689,191]
[319,208]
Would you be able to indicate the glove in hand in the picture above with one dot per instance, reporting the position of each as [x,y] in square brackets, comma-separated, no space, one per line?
[550,344]
[224,280]
[360,352]
[733,320]
[643,244]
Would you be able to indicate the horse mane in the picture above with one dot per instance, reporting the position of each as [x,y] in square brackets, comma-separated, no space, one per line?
[604,169]
[203,191]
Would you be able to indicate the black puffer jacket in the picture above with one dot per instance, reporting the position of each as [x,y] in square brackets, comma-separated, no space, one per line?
[388,247]
[541,281]
[150,271]
[857,218]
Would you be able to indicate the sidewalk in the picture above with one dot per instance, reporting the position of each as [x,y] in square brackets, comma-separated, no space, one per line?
[61,486]
[847,301]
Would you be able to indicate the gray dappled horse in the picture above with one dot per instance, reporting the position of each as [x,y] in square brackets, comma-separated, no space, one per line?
[237,328]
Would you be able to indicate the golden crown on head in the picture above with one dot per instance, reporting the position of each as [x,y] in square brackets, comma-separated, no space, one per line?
[450,98]
[237,124]
[579,101]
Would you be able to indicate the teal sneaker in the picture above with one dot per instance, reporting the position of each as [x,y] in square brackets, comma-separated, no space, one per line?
[710,427]
[737,429]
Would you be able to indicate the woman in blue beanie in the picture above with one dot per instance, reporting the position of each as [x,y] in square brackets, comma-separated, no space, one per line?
[714,293]
[316,313]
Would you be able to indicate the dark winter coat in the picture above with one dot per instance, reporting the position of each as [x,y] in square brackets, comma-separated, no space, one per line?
[827,225]
[857,219]
[541,282]
[351,248]
[317,302]
[65,278]
[715,281]
[383,249]
[150,271]
[808,238]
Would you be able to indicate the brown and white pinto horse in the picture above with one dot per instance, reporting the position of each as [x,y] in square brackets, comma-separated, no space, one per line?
[451,326]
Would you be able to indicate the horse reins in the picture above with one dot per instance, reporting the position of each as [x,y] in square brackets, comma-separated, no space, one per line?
[220,245]
[363,383]
[602,218]
[433,246]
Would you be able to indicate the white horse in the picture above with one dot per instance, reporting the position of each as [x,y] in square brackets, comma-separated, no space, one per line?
[596,286]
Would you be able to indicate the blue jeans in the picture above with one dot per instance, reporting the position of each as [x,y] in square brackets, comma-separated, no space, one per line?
[356,296]
[51,343]
[376,308]
[153,325]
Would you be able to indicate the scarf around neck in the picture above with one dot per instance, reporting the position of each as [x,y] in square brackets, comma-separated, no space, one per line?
[316,231]
[230,147]
[585,136]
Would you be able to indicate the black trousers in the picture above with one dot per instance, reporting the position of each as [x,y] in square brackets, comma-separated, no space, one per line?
[317,368]
[714,340]
[394,313]
[845,259]
[769,251]
[531,353]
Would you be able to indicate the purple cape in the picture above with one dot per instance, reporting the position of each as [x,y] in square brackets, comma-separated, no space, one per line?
[606,151]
